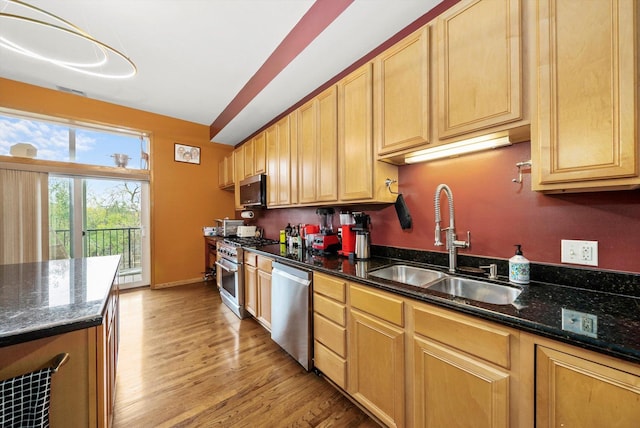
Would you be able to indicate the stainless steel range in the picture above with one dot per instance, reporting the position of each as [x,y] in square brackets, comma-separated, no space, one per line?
[230,270]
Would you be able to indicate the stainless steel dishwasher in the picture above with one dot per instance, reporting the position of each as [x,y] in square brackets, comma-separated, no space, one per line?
[291,312]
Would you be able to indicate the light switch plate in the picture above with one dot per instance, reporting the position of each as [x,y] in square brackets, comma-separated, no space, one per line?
[579,252]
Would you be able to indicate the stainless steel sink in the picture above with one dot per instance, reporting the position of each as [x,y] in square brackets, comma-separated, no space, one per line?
[411,275]
[477,290]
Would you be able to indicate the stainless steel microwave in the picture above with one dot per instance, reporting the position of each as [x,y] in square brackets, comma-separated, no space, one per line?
[253,191]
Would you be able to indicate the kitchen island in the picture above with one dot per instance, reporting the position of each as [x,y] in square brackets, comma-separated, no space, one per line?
[63,306]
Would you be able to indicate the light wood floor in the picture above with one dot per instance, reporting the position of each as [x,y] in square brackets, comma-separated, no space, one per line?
[187,361]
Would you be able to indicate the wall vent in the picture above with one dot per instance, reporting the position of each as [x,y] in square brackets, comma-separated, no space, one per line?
[71,91]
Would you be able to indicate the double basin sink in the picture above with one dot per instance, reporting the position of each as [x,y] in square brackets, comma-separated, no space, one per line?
[434,280]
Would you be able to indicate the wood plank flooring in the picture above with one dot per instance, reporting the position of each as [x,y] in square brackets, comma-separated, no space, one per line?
[187,361]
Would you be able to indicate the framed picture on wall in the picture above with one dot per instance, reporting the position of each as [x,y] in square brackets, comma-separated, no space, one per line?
[188,154]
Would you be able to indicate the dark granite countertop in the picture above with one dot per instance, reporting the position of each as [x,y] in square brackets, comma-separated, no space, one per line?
[537,310]
[47,298]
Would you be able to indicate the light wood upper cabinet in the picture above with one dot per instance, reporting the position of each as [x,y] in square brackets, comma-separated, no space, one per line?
[279,161]
[249,157]
[360,176]
[586,132]
[226,178]
[401,91]
[238,161]
[259,154]
[480,66]
[318,149]
[575,391]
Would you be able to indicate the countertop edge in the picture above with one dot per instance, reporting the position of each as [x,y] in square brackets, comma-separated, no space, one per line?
[583,342]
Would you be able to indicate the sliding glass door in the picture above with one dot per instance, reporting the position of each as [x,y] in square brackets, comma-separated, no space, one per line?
[98,217]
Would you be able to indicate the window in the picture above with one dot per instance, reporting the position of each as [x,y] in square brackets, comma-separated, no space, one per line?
[72,142]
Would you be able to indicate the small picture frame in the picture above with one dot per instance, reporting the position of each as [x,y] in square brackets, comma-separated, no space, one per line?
[187,154]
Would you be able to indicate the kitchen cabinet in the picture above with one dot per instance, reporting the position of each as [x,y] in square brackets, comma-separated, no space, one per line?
[264,291]
[361,176]
[480,66]
[251,283]
[259,161]
[401,94]
[318,149]
[226,177]
[463,373]
[578,388]
[238,156]
[257,287]
[330,327]
[280,160]
[376,353]
[108,335]
[585,136]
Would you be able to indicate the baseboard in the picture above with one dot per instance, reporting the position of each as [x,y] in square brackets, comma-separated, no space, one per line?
[177,283]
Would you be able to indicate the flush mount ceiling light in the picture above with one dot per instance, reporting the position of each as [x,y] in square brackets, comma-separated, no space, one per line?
[459,148]
[38,34]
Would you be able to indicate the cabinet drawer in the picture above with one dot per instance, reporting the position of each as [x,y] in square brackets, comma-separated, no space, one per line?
[330,287]
[331,335]
[330,309]
[378,303]
[251,259]
[264,263]
[465,334]
[334,367]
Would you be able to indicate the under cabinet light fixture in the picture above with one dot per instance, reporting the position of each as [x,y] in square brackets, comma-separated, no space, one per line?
[457,149]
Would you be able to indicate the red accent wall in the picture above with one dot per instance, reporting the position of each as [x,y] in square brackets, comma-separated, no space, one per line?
[498,212]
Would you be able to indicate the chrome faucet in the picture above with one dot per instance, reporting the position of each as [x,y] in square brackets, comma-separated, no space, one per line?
[452,243]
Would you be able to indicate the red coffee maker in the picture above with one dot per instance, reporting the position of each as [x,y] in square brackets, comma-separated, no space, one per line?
[348,240]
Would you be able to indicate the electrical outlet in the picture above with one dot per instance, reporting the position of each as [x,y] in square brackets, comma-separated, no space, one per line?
[579,252]
[580,322]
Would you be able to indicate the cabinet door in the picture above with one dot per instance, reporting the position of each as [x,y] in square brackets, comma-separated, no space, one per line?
[402,94]
[259,153]
[222,173]
[327,169]
[480,66]
[355,143]
[283,190]
[272,160]
[251,289]
[452,389]
[307,153]
[264,298]
[238,156]
[249,158]
[575,392]
[586,133]
[376,367]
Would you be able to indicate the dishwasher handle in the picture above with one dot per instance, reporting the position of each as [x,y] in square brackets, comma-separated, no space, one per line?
[302,281]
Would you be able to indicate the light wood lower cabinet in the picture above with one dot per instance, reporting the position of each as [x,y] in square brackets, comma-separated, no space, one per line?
[462,371]
[251,283]
[573,390]
[377,354]
[330,327]
[257,287]
[264,291]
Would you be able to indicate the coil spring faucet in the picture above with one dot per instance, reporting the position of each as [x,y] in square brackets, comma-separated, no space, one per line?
[452,243]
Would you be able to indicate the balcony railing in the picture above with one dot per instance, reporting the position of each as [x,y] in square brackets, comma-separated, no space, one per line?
[126,241]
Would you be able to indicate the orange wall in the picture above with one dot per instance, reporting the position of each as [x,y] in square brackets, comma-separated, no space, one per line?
[184,197]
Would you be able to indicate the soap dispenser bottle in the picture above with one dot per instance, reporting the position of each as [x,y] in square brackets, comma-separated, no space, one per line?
[518,267]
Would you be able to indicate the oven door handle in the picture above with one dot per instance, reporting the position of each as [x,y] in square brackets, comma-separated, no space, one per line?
[228,269]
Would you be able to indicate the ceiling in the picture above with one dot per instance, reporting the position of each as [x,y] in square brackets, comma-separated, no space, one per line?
[233,65]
